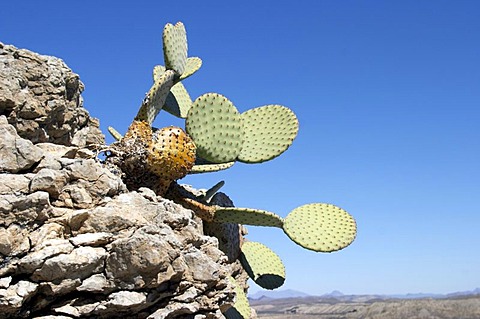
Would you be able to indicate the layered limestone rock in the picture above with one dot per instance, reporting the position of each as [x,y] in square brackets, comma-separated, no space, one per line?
[74,242]
[41,98]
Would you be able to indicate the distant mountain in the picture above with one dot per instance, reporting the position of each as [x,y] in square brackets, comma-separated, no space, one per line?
[278,294]
[289,293]
[436,296]
[464,293]
[333,294]
[415,296]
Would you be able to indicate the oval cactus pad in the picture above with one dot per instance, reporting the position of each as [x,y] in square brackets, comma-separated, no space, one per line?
[320,227]
[156,96]
[241,307]
[262,265]
[178,101]
[247,216]
[209,168]
[175,47]
[215,125]
[269,131]
[192,65]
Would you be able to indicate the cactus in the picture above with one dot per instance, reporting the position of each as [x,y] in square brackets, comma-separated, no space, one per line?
[178,101]
[216,136]
[269,130]
[247,216]
[241,308]
[215,125]
[156,97]
[262,265]
[175,47]
[256,136]
[208,168]
[330,228]
[318,227]
[115,134]
[171,154]
[211,192]
[192,65]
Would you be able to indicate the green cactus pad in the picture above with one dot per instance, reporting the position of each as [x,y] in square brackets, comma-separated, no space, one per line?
[175,47]
[269,131]
[247,216]
[262,265]
[216,127]
[178,101]
[241,308]
[156,97]
[158,70]
[192,65]
[320,227]
[209,168]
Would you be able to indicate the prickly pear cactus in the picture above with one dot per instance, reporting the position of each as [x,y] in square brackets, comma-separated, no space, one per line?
[241,308]
[320,227]
[178,101]
[268,132]
[192,65]
[247,216]
[215,125]
[171,155]
[216,136]
[209,168]
[262,265]
[175,47]
[156,97]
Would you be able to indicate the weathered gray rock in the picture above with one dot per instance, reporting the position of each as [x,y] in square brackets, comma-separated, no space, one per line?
[15,296]
[24,209]
[16,154]
[74,242]
[40,96]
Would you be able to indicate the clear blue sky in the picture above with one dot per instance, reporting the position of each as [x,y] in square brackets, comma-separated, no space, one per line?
[387,94]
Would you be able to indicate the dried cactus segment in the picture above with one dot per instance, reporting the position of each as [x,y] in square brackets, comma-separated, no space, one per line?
[192,65]
[175,47]
[115,134]
[241,309]
[178,101]
[156,96]
[209,168]
[269,131]
[320,227]
[247,216]
[215,125]
[262,265]
[139,130]
[171,155]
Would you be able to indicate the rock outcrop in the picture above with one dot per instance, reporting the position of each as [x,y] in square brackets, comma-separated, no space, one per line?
[41,98]
[74,241]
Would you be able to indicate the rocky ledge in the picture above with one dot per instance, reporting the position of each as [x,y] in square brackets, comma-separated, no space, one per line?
[74,242]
